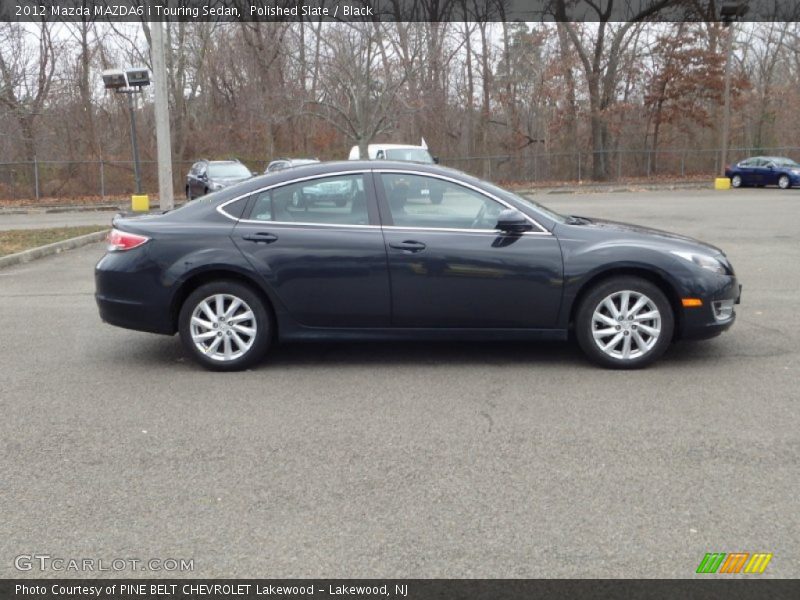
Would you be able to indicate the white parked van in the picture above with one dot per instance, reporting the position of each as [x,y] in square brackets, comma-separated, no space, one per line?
[403,152]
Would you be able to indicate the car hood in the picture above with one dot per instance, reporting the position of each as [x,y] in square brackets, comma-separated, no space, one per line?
[647,234]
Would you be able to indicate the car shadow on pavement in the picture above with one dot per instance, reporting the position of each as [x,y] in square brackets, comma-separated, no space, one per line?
[154,352]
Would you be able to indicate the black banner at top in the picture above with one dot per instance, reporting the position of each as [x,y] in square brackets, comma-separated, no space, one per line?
[399,10]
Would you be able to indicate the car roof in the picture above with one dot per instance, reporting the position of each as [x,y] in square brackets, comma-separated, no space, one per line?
[332,167]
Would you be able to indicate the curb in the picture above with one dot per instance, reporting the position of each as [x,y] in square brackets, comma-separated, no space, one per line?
[615,188]
[50,249]
[36,210]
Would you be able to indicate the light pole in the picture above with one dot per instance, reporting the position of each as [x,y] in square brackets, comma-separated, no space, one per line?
[730,13]
[129,82]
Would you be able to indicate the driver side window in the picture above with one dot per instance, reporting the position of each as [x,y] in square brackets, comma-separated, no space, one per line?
[428,202]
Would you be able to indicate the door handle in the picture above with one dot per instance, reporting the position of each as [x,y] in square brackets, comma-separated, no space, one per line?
[261,237]
[409,246]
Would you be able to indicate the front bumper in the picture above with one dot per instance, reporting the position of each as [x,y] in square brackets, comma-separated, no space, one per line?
[701,322]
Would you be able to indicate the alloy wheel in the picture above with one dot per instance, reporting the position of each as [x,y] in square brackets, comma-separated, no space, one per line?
[783,182]
[626,325]
[736,181]
[223,327]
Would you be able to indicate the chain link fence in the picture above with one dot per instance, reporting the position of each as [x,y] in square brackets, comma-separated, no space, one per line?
[111,181]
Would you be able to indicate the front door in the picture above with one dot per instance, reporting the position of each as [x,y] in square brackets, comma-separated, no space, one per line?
[450,267]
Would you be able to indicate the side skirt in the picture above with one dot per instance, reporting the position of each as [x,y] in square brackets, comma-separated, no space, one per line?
[295,333]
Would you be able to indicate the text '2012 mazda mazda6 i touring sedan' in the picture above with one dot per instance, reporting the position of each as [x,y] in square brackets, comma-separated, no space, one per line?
[272,259]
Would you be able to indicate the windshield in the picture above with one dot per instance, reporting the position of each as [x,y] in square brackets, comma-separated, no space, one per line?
[558,218]
[409,154]
[228,170]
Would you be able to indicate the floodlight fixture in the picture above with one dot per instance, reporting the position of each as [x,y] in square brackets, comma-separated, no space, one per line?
[138,77]
[115,79]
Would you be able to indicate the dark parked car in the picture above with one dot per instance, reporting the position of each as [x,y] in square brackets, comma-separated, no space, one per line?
[247,266]
[280,164]
[764,170]
[211,175]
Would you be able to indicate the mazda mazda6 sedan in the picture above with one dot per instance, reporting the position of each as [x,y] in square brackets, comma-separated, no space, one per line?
[243,268]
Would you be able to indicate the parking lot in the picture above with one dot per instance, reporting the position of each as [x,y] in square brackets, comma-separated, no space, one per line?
[412,460]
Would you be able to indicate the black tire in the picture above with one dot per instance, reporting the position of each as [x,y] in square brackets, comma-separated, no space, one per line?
[784,182]
[205,191]
[736,181]
[189,194]
[584,323]
[264,325]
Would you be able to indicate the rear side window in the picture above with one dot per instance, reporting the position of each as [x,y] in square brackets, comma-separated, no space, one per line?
[337,200]
[236,209]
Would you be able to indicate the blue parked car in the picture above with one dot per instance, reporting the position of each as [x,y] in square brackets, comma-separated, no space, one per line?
[764,170]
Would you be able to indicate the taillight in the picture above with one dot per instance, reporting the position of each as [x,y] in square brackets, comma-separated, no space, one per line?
[119,241]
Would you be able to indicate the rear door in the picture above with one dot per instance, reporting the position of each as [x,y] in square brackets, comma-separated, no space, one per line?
[325,260]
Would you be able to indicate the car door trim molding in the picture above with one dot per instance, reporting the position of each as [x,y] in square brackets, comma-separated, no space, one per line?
[543,230]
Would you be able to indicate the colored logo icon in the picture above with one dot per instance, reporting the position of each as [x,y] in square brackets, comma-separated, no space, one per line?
[735,562]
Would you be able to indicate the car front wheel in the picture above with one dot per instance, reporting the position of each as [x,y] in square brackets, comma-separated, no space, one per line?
[225,326]
[784,182]
[736,181]
[624,323]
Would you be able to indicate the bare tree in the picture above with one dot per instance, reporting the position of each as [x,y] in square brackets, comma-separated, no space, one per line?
[26,76]
[359,91]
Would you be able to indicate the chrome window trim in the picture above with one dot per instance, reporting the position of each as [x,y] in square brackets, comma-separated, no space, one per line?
[221,207]
[543,230]
[458,230]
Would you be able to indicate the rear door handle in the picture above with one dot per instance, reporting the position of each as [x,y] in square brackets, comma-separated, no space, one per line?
[261,237]
[409,246]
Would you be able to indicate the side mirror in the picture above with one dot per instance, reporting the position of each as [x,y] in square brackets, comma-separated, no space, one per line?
[513,221]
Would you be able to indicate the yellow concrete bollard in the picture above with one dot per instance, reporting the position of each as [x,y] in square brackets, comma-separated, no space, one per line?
[140,203]
[722,183]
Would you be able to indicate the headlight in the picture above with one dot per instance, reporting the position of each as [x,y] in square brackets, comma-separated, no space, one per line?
[703,261]
[795,171]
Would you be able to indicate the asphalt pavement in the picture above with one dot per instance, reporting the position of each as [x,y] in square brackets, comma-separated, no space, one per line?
[42,220]
[411,460]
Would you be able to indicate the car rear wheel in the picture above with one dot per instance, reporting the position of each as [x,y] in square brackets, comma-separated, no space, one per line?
[736,181]
[225,326]
[784,182]
[624,323]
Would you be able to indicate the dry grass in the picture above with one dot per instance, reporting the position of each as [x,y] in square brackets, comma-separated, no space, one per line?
[17,240]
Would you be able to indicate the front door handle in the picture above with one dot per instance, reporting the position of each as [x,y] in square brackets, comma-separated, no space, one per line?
[261,237]
[409,246]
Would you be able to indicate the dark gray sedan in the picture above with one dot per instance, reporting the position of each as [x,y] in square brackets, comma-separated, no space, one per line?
[373,259]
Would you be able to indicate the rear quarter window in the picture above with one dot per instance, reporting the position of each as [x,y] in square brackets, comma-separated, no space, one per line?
[237,209]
